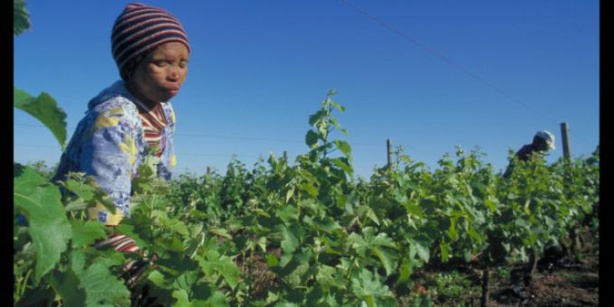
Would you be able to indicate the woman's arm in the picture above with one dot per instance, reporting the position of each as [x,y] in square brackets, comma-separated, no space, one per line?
[109,152]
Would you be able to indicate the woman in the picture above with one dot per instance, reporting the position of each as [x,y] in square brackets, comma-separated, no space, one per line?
[133,117]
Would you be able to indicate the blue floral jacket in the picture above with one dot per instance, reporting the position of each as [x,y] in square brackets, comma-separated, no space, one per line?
[108,144]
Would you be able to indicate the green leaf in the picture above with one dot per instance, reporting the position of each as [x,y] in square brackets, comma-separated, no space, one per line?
[21,17]
[157,279]
[77,260]
[344,166]
[76,205]
[405,270]
[87,191]
[338,126]
[45,109]
[79,188]
[452,233]
[262,242]
[380,247]
[491,203]
[383,240]
[422,251]
[309,188]
[182,298]
[103,288]
[377,245]
[171,224]
[326,224]
[223,265]
[271,260]
[299,272]
[368,212]
[288,214]
[49,228]
[385,257]
[337,106]
[445,251]
[185,280]
[289,243]
[220,232]
[289,194]
[193,245]
[311,139]
[84,234]
[371,290]
[327,275]
[217,299]
[316,117]
[67,286]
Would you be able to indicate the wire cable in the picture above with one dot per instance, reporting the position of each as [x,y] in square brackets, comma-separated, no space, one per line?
[443,58]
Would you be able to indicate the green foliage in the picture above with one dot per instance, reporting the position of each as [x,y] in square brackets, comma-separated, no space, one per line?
[103,288]
[450,289]
[45,109]
[305,233]
[21,17]
[49,228]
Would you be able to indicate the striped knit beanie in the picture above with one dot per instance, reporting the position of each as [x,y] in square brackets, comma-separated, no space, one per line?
[141,28]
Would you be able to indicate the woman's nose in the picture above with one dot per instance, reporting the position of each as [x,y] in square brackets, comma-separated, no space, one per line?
[174,72]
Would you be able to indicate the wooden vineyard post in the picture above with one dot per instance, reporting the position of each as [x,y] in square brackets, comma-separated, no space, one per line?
[485,300]
[565,138]
[567,154]
[389,152]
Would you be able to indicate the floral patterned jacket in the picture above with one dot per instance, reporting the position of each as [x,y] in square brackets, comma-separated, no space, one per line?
[108,144]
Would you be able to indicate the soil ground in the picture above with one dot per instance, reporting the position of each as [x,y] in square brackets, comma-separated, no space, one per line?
[574,285]
[558,281]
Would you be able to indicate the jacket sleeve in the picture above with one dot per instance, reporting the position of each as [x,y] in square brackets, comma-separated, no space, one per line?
[109,154]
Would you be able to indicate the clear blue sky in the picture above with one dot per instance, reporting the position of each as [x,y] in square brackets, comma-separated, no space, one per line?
[428,75]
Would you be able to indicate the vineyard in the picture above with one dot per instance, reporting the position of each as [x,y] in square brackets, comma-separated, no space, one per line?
[309,233]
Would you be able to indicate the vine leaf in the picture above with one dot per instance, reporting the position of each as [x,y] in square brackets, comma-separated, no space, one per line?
[214,263]
[21,17]
[45,109]
[380,245]
[289,243]
[67,286]
[49,228]
[311,139]
[103,288]
[371,290]
[85,234]
[182,298]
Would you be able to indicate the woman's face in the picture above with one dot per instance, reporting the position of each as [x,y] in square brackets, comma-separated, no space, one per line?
[159,76]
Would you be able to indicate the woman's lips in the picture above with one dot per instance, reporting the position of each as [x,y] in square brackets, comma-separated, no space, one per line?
[172,91]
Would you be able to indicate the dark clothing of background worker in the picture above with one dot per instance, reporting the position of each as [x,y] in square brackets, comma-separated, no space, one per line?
[542,142]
